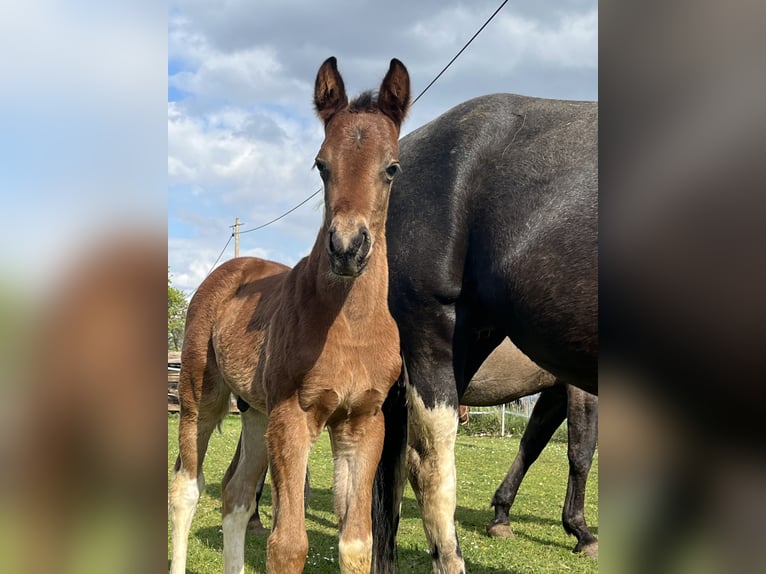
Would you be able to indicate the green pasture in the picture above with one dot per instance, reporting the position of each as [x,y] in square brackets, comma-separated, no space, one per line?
[540,546]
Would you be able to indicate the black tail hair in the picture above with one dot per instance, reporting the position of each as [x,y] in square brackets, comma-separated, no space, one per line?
[390,479]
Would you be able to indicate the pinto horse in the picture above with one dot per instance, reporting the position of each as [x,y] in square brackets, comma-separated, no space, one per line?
[305,348]
[508,375]
[492,234]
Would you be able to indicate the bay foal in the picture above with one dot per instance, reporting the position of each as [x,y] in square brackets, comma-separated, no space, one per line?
[306,348]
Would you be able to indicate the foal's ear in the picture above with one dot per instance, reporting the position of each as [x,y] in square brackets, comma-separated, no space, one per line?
[394,94]
[329,91]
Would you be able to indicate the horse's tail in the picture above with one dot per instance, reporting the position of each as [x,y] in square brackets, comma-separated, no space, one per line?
[390,479]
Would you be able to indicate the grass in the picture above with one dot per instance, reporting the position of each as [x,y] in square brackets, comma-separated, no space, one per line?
[540,546]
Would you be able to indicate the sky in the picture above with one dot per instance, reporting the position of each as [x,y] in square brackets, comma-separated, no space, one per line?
[83,143]
[242,134]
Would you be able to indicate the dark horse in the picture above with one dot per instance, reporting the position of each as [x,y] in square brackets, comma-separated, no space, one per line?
[492,233]
[507,375]
[555,404]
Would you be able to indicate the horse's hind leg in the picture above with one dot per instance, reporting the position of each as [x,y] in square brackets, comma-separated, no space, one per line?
[547,416]
[254,524]
[204,401]
[582,414]
[357,445]
[239,489]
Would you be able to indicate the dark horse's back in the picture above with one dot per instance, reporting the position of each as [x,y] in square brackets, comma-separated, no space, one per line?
[492,232]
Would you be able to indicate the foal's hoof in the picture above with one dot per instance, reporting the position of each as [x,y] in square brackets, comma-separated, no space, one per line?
[589,550]
[256,527]
[497,530]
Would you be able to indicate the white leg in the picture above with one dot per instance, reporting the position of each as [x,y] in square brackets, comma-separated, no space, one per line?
[239,494]
[431,462]
[184,494]
[234,527]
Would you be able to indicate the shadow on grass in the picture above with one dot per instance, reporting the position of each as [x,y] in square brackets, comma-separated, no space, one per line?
[323,546]
[323,553]
[476,520]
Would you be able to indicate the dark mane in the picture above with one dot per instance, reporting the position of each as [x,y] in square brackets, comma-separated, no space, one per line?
[366,102]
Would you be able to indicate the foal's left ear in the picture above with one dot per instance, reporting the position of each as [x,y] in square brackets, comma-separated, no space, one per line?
[394,94]
[329,91]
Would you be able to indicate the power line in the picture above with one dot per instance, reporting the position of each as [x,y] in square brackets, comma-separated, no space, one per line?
[288,212]
[413,103]
[212,267]
[461,51]
[220,255]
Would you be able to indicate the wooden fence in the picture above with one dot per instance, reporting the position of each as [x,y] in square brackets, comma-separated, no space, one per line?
[174,370]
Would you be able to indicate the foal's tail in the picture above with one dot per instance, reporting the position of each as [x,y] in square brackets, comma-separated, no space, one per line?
[390,479]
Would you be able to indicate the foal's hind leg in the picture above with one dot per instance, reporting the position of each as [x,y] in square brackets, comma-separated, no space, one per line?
[582,414]
[239,489]
[356,444]
[547,416]
[204,401]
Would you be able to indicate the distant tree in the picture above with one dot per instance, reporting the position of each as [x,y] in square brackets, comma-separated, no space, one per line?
[177,306]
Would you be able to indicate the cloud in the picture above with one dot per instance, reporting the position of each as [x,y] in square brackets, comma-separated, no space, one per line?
[241,155]
[242,133]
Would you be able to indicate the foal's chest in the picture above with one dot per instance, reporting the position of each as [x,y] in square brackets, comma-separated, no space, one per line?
[352,380]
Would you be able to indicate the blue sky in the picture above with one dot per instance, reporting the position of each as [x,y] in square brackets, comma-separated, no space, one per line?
[242,134]
[83,145]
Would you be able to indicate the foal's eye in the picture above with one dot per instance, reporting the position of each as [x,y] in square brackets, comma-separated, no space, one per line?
[392,170]
[321,167]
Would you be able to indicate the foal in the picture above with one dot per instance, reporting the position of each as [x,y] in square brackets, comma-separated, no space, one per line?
[306,348]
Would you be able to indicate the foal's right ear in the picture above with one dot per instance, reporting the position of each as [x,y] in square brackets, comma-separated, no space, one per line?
[329,91]
[394,94]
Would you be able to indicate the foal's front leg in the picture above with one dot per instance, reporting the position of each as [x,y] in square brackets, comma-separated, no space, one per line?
[289,440]
[357,444]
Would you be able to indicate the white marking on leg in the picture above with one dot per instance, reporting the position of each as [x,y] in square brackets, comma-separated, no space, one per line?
[355,556]
[234,528]
[182,502]
[432,434]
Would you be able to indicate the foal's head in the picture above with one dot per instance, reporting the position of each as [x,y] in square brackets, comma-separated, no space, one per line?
[357,161]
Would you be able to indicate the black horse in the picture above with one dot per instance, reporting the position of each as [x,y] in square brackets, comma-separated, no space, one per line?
[554,405]
[507,375]
[492,233]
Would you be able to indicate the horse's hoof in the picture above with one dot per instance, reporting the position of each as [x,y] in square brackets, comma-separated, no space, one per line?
[589,550]
[256,527]
[496,530]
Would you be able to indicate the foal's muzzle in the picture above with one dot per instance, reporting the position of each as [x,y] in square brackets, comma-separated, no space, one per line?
[349,252]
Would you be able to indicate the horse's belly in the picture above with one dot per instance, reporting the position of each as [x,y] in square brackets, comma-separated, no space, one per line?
[506,375]
[496,391]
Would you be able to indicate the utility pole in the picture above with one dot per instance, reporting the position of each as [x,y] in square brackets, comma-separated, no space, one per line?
[236,236]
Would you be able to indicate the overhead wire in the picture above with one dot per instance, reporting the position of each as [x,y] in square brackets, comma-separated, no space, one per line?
[431,83]
[455,57]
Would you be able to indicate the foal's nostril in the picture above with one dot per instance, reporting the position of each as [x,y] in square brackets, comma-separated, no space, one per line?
[360,243]
[334,242]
